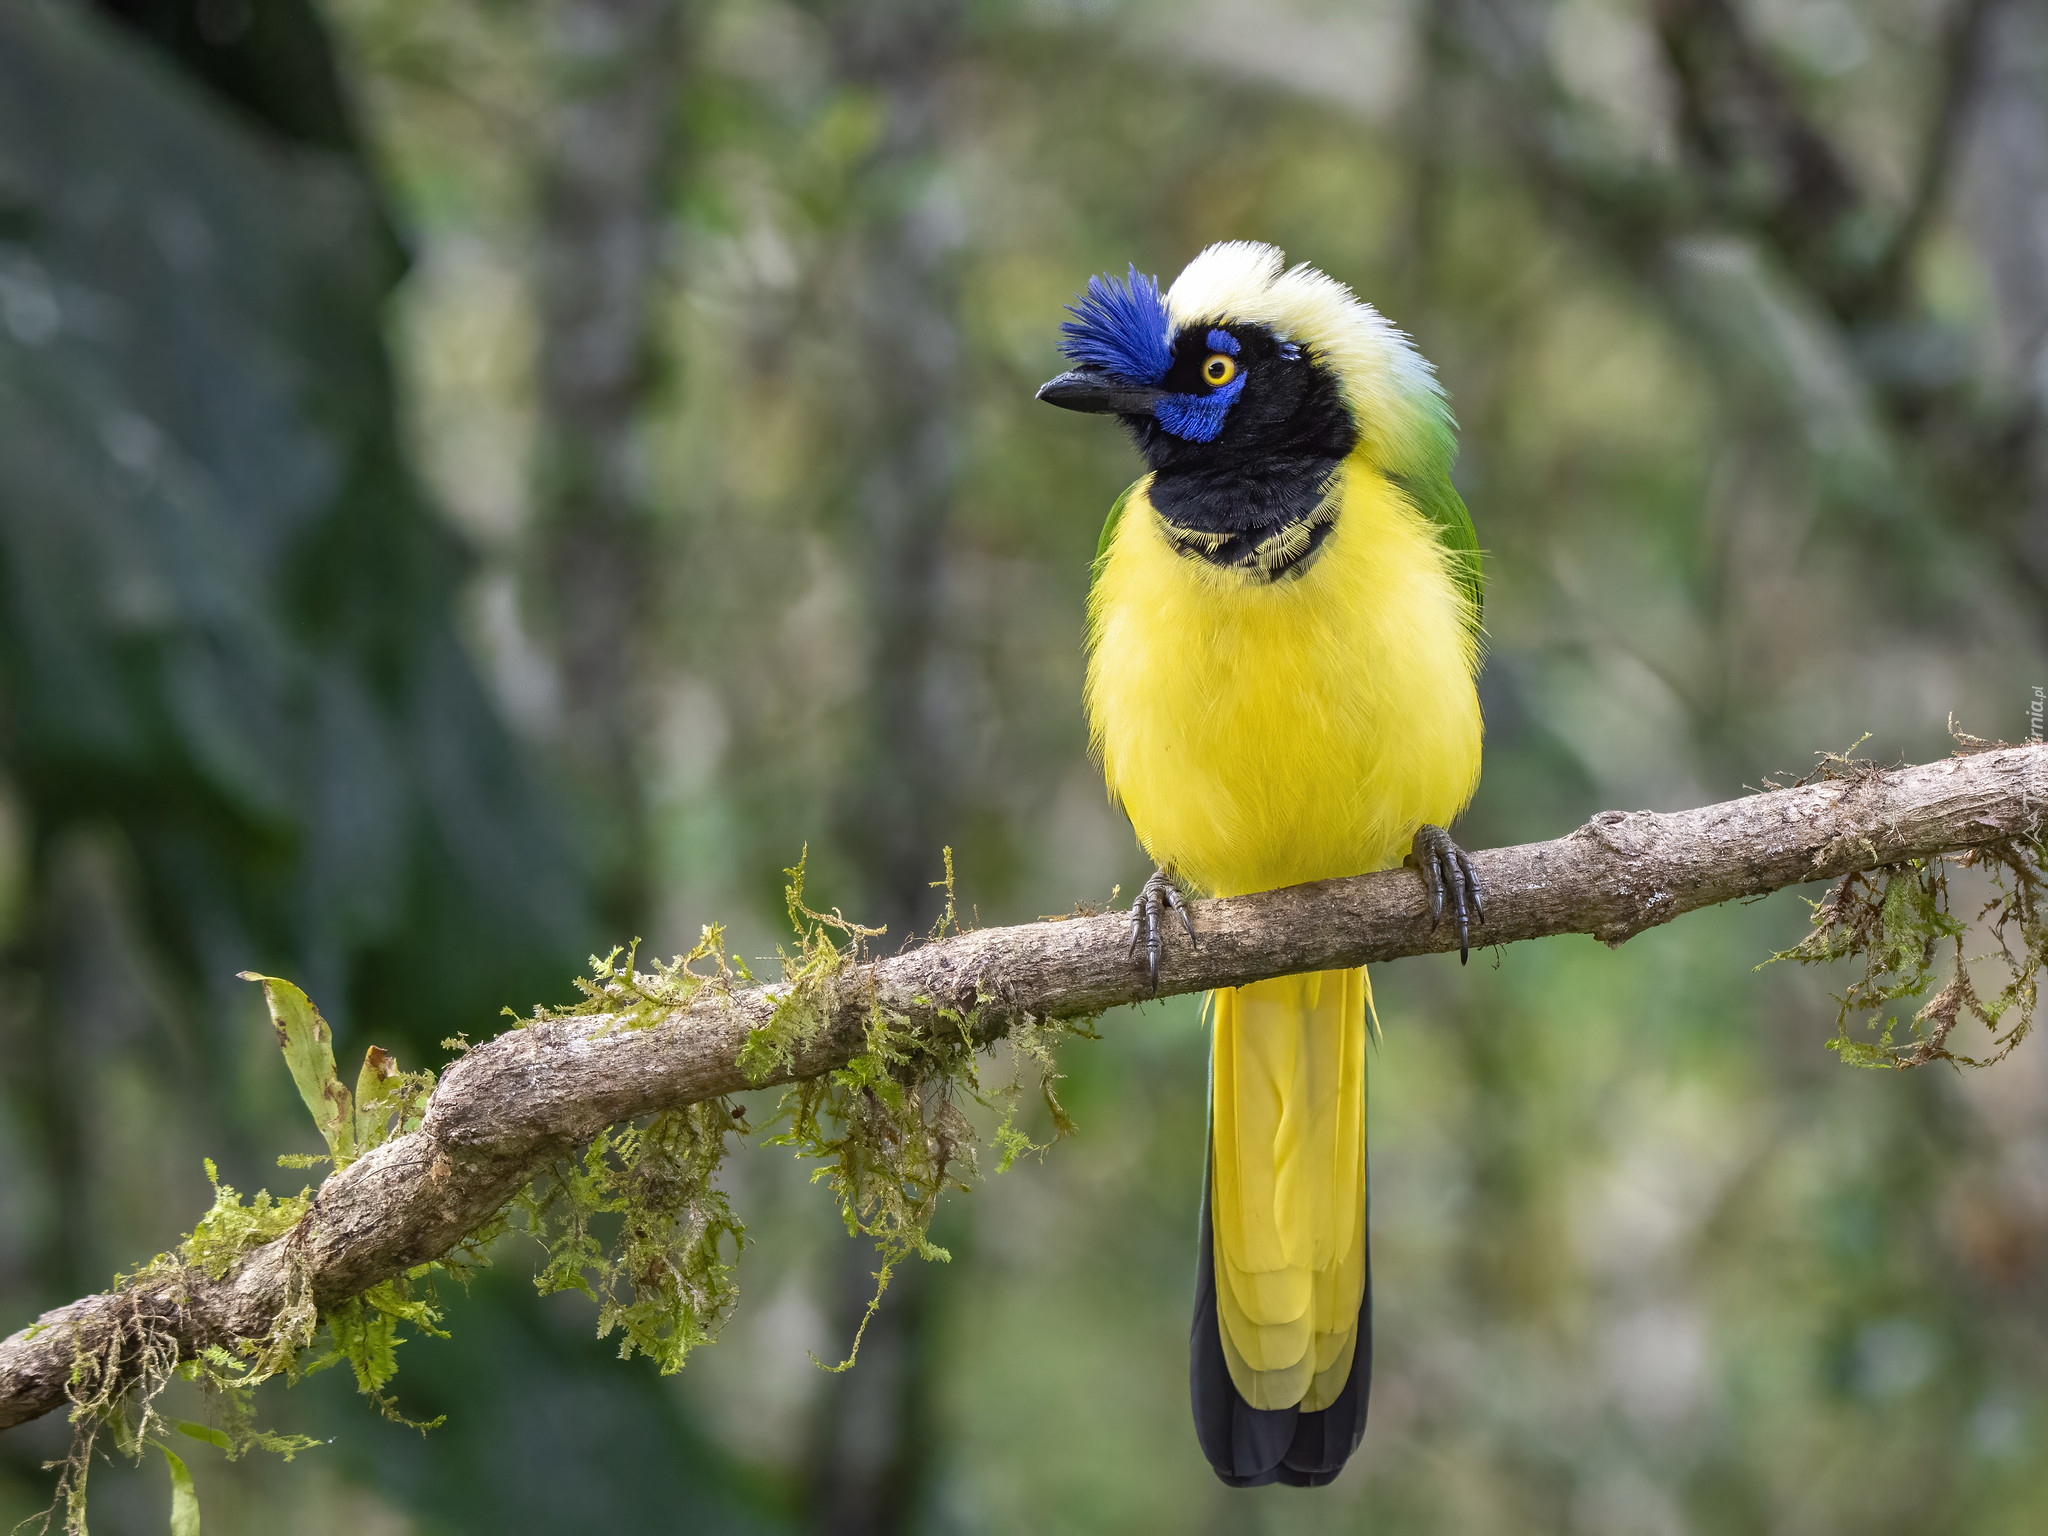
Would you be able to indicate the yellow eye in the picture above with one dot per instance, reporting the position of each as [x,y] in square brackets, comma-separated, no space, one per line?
[1219,370]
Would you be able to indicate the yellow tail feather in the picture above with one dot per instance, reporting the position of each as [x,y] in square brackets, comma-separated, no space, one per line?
[1287,1147]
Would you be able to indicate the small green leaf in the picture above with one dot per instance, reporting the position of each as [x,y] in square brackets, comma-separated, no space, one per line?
[373,1086]
[184,1498]
[204,1432]
[308,1046]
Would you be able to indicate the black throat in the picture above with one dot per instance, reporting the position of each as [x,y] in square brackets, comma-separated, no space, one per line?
[1259,498]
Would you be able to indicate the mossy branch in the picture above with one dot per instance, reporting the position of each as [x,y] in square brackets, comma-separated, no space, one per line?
[517,1105]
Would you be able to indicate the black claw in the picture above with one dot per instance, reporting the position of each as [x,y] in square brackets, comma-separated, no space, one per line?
[1442,862]
[1464,933]
[1145,931]
[1158,892]
[1424,862]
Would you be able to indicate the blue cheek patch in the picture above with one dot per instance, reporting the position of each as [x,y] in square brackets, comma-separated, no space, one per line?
[1222,341]
[1198,418]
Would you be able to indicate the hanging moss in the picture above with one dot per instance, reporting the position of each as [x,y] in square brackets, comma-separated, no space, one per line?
[663,1280]
[1899,922]
[114,1387]
[636,1221]
[887,1131]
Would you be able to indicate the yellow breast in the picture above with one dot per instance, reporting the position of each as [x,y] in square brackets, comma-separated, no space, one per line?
[1261,734]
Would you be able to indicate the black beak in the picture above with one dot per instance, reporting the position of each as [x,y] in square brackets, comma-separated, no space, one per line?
[1096,389]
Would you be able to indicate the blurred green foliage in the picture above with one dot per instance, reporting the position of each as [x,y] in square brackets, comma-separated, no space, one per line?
[1754,477]
[230,629]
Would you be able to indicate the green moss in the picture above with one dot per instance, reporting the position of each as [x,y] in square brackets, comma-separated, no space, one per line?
[826,944]
[638,1000]
[364,1334]
[636,1220]
[888,1130]
[231,1229]
[114,1387]
[661,1279]
[1898,921]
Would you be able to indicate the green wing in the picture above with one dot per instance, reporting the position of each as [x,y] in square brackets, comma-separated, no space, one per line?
[1438,500]
[1116,515]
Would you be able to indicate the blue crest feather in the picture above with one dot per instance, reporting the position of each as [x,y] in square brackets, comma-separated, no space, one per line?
[1121,327]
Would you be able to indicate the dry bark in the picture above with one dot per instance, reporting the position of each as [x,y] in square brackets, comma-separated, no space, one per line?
[508,1107]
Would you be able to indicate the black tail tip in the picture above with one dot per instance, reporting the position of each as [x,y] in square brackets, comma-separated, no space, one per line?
[1255,1447]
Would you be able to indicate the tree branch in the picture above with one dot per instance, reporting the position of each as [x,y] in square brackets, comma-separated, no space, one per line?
[509,1107]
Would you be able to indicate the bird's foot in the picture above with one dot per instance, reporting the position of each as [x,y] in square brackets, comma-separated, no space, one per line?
[1446,869]
[1159,897]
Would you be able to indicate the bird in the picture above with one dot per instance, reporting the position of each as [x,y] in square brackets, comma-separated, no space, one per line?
[1283,640]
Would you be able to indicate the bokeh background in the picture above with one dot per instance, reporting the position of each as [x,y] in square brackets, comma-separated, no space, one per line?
[483,479]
